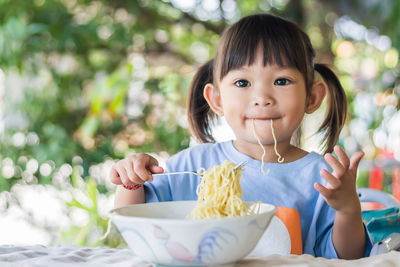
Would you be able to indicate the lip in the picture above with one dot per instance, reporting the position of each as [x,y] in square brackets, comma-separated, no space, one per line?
[264,118]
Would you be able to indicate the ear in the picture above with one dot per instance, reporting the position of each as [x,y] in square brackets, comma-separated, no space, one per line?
[318,92]
[213,98]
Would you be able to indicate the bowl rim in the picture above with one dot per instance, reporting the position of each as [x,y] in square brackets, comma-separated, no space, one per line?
[113,213]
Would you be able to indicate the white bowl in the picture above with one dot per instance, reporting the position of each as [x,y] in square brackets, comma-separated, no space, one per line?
[160,233]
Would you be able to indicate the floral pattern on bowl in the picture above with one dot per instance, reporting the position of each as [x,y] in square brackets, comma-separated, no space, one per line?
[159,233]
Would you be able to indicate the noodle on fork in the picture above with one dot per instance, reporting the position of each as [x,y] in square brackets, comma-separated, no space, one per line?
[219,193]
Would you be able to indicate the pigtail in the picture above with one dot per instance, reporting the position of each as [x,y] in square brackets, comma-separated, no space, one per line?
[337,108]
[200,115]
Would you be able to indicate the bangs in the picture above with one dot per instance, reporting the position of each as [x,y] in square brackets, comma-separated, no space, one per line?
[281,41]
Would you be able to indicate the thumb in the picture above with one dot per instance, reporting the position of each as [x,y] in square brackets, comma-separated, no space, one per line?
[156,169]
[354,161]
[153,167]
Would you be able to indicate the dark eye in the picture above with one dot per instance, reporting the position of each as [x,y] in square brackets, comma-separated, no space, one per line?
[282,81]
[242,83]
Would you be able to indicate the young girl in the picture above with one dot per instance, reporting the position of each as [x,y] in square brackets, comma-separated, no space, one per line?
[262,80]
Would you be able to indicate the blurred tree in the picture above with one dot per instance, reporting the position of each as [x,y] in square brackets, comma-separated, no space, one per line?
[382,16]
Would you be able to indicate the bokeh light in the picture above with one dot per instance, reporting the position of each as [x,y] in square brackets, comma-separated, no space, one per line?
[345,49]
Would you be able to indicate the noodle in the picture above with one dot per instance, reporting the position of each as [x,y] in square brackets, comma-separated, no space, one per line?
[262,147]
[219,193]
[280,158]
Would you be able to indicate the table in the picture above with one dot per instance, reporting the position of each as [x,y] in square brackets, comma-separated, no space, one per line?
[60,256]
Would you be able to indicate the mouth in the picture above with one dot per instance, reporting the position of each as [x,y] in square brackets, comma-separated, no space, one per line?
[264,118]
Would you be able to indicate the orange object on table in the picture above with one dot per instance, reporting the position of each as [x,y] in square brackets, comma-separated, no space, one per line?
[376,177]
[396,182]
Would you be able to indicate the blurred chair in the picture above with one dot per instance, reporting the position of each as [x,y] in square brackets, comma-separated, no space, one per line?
[383,225]
[376,196]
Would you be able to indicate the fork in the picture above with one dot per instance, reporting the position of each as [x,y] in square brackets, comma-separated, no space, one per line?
[240,164]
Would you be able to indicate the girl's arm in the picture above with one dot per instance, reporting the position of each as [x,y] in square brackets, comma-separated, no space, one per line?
[348,235]
[124,197]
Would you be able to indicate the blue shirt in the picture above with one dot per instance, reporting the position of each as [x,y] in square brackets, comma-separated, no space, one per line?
[288,185]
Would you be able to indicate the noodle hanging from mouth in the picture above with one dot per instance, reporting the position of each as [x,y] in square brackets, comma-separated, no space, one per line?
[280,158]
[262,147]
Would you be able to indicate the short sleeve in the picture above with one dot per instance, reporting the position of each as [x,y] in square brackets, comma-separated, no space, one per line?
[326,247]
[324,225]
[158,191]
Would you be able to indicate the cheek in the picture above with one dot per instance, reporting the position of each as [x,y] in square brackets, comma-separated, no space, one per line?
[298,106]
[230,100]
[294,100]
[294,110]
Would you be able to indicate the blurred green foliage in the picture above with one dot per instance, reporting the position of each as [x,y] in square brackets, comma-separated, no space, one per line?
[86,81]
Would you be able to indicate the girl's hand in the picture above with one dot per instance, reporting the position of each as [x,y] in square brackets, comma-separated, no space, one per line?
[135,169]
[340,192]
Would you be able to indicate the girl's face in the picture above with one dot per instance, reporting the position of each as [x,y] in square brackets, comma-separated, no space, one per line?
[262,93]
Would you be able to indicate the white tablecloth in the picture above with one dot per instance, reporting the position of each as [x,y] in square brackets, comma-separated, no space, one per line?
[84,256]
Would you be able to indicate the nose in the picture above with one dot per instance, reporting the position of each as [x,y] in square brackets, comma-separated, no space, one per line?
[262,98]
[262,102]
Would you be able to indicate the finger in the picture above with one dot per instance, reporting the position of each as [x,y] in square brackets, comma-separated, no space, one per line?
[129,170]
[114,177]
[354,161]
[333,182]
[343,158]
[141,165]
[325,192]
[338,169]
[135,177]
[123,175]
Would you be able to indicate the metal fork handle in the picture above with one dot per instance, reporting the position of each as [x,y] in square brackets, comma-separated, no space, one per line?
[175,173]
[195,173]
